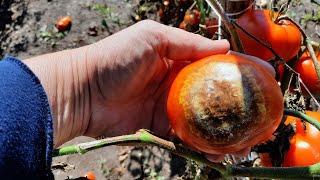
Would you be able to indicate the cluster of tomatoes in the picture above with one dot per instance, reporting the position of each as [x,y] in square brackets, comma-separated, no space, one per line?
[191,23]
[187,16]
[285,38]
[282,36]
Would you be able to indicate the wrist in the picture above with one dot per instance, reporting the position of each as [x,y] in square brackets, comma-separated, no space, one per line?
[64,78]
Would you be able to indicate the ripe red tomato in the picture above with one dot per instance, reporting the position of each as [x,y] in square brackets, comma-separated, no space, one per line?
[284,37]
[305,145]
[305,67]
[64,23]
[310,132]
[223,104]
[301,152]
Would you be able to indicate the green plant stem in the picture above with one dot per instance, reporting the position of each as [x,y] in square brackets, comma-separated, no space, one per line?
[202,11]
[309,172]
[140,137]
[147,138]
[304,117]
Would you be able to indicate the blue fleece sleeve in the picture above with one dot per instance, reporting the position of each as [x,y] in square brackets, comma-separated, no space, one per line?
[26,134]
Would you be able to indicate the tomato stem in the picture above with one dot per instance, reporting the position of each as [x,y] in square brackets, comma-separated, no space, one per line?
[277,172]
[313,56]
[303,117]
[146,137]
[235,40]
[202,11]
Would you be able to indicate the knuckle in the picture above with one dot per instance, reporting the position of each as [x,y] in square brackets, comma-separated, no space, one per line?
[147,24]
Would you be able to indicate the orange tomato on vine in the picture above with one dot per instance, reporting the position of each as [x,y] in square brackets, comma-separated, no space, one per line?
[304,145]
[305,67]
[283,36]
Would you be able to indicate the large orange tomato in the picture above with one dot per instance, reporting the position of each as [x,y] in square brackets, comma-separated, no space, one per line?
[223,104]
[308,74]
[284,37]
[305,144]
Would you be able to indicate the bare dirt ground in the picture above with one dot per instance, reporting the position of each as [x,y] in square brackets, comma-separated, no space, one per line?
[27,29]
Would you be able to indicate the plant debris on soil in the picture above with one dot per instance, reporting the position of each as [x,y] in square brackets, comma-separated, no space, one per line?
[27,28]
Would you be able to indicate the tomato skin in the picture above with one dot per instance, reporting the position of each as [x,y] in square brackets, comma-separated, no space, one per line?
[284,37]
[90,175]
[64,23]
[310,132]
[301,152]
[207,101]
[305,67]
[305,145]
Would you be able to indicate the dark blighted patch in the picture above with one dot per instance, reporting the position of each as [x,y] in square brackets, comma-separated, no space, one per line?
[228,114]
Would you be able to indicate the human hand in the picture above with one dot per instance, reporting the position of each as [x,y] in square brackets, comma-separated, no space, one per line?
[119,84]
[134,70]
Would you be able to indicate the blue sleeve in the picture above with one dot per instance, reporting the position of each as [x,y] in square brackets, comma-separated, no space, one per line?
[26,134]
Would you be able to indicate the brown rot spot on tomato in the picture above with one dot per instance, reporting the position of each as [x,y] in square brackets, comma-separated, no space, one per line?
[223,104]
